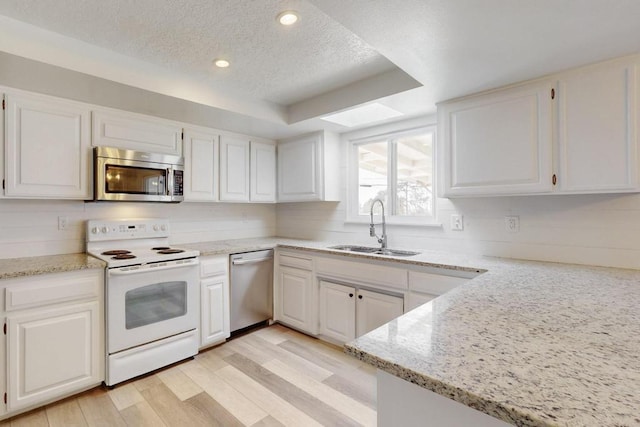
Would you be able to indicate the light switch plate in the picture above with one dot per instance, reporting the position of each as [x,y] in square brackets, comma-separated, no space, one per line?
[457,222]
[512,223]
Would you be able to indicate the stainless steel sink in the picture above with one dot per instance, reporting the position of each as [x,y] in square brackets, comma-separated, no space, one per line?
[373,250]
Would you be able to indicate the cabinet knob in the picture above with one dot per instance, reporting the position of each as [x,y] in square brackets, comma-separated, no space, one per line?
[350,295]
[359,296]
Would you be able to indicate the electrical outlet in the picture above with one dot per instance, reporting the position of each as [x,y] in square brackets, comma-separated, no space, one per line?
[63,221]
[457,222]
[512,224]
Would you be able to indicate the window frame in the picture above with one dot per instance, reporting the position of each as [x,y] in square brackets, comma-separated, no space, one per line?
[353,172]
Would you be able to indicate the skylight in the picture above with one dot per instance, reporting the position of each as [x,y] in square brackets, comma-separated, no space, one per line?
[365,114]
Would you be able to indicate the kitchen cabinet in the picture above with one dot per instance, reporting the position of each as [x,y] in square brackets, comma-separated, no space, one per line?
[263,172]
[214,300]
[309,168]
[572,132]
[597,142]
[247,170]
[201,165]
[234,168]
[47,147]
[132,131]
[497,143]
[347,312]
[54,336]
[296,300]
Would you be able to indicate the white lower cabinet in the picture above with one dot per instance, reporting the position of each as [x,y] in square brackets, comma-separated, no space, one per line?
[295,297]
[347,312]
[54,336]
[214,300]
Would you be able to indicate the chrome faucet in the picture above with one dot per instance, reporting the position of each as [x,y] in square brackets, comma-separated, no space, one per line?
[372,227]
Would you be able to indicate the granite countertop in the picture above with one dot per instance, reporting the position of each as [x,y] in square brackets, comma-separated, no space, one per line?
[33,266]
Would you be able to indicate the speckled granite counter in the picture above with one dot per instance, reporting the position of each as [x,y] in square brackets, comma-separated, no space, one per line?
[33,266]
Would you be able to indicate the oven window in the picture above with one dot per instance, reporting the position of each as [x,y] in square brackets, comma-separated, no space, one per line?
[135,180]
[155,303]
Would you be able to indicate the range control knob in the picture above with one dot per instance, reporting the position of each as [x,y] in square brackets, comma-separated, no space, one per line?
[163,227]
[95,230]
[156,227]
[105,230]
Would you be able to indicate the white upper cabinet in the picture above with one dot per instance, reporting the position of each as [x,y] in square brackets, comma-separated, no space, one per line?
[597,140]
[47,147]
[201,165]
[234,169]
[497,143]
[263,172]
[521,140]
[132,131]
[309,168]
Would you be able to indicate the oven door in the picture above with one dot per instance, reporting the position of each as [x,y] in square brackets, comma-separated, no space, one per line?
[150,302]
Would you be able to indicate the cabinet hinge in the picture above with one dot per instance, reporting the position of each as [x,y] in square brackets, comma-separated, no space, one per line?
[182,136]
[5,398]
[3,184]
[3,104]
[554,179]
[5,328]
[553,93]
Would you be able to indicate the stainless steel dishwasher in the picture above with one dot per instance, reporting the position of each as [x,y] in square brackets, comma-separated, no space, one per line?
[251,286]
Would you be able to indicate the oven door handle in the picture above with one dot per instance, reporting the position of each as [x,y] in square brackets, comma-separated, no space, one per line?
[250,261]
[118,272]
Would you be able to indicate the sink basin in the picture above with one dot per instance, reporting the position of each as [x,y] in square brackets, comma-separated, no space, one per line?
[373,250]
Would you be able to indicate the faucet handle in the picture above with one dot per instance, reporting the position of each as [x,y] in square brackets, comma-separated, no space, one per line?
[372,230]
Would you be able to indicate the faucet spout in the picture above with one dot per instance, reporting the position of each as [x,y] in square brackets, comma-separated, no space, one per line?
[372,227]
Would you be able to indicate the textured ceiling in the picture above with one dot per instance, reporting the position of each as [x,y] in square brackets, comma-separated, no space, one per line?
[280,64]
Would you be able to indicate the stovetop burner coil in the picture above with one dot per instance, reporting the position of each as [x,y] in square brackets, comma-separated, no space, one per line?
[124,256]
[170,251]
[116,252]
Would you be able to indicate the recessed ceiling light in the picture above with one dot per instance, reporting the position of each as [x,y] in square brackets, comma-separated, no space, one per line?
[288,17]
[221,63]
[365,114]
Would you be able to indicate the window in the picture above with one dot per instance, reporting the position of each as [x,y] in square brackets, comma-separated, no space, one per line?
[398,169]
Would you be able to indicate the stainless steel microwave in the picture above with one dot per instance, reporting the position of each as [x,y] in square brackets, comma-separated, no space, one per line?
[135,176]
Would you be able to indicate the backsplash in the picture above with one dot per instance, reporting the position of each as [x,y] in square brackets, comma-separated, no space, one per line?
[30,227]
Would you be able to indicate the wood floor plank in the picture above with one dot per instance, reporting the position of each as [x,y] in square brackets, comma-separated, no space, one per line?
[35,418]
[180,384]
[361,392]
[240,346]
[221,351]
[171,410]
[65,413]
[275,405]
[98,409]
[146,382]
[125,395]
[308,404]
[232,400]
[215,413]
[268,422]
[141,415]
[275,334]
[343,403]
[213,360]
[291,359]
[320,347]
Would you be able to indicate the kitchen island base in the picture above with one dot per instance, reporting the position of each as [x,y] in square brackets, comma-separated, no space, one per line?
[403,403]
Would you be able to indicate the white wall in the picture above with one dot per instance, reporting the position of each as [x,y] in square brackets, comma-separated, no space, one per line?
[30,227]
[582,229]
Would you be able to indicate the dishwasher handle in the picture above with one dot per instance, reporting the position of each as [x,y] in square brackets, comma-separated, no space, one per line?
[250,261]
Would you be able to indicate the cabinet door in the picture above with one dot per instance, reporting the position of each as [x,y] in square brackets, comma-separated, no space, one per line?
[416,299]
[295,299]
[300,170]
[48,151]
[337,311]
[52,353]
[131,131]
[234,169]
[215,310]
[201,166]
[374,309]
[263,172]
[597,148]
[497,143]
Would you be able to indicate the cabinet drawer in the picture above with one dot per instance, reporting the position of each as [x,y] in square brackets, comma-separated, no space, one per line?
[52,288]
[362,273]
[295,261]
[434,284]
[215,266]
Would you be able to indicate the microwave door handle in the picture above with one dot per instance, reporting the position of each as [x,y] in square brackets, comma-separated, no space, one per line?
[169,182]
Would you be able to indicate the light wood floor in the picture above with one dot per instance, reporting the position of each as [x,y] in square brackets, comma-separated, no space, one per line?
[270,377]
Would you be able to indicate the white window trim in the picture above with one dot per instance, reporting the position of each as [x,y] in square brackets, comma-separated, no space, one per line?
[352,180]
